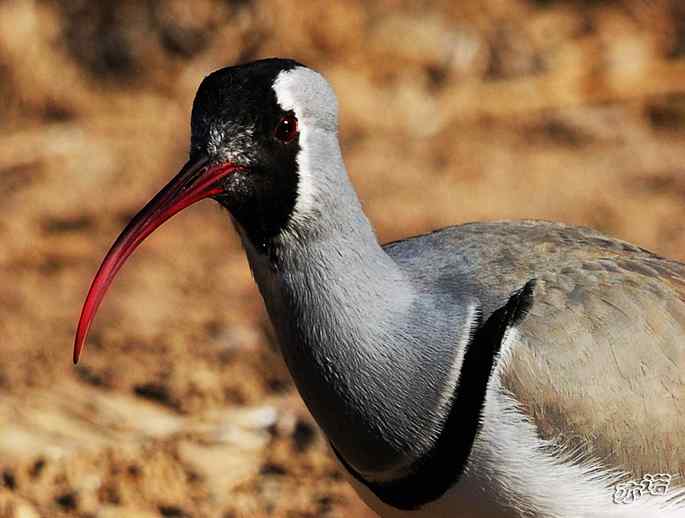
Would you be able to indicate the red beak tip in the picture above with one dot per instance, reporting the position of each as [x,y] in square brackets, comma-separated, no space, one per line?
[194,182]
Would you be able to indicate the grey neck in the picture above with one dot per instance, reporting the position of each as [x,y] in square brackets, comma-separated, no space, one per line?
[352,327]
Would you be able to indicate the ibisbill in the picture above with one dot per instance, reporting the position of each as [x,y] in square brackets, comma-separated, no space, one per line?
[505,369]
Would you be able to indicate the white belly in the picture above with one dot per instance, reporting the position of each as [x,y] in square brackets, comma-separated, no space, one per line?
[509,477]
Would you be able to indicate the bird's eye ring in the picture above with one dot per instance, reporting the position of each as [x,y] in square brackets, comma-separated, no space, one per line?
[286,130]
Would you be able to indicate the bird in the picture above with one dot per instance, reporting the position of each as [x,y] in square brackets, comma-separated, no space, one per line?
[503,369]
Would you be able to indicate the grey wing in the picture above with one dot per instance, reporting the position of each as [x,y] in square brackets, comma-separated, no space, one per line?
[600,364]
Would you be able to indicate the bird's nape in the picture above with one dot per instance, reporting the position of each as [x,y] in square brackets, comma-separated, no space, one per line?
[437,401]
[197,180]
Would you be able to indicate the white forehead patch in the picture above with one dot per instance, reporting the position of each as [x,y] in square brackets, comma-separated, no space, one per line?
[311,98]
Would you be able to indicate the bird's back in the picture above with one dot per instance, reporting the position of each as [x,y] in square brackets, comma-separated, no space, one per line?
[599,362]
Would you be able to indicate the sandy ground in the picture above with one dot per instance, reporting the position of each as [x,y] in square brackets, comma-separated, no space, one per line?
[181,407]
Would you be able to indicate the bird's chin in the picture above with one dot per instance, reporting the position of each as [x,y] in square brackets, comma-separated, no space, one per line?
[226,201]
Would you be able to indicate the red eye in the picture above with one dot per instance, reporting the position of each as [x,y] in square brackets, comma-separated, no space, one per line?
[286,129]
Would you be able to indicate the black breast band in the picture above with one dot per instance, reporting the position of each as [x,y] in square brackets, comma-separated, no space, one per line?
[443,464]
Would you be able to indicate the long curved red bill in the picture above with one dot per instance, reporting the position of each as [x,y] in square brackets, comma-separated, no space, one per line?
[196,181]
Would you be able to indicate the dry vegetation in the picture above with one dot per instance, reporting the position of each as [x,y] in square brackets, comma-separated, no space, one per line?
[451,111]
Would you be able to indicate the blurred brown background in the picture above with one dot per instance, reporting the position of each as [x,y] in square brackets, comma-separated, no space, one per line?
[450,111]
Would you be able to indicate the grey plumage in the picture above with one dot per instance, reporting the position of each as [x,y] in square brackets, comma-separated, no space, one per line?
[586,381]
[370,333]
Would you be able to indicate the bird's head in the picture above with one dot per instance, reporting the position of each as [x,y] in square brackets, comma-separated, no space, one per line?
[257,129]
